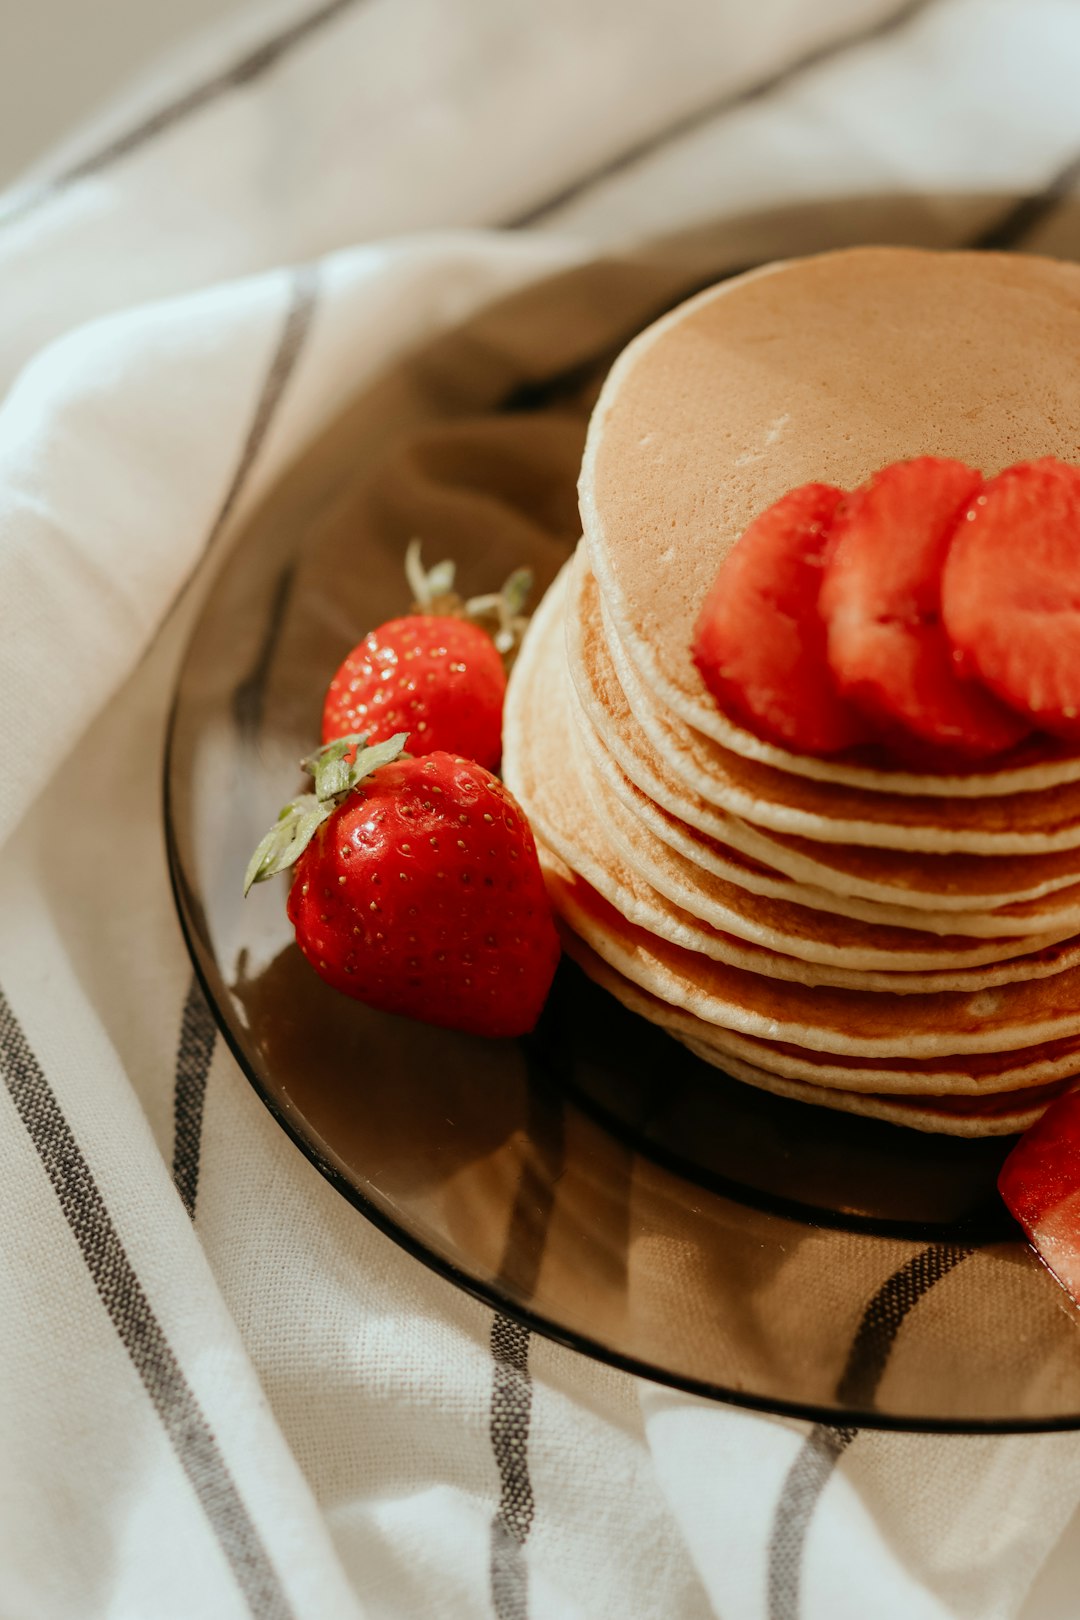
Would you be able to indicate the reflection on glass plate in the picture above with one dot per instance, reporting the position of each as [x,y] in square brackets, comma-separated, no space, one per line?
[596,1180]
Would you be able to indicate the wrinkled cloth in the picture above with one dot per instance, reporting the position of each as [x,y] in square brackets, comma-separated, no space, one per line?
[224,1392]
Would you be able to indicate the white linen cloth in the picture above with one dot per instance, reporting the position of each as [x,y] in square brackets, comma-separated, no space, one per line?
[269,1410]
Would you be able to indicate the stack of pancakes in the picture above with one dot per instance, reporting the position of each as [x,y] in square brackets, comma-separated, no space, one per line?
[842,930]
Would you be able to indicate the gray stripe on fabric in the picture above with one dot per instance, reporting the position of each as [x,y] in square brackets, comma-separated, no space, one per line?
[247,69]
[806,1479]
[519,1271]
[885,1315]
[249,698]
[197,1028]
[826,1443]
[194,1054]
[299,314]
[699,117]
[511,1408]
[303,296]
[139,1331]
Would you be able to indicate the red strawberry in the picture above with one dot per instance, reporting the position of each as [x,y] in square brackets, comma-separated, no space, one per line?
[440,679]
[436,674]
[417,888]
[759,643]
[1010,592]
[1040,1183]
[881,601]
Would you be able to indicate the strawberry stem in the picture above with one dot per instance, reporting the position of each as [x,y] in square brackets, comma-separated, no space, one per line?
[433,592]
[505,607]
[429,586]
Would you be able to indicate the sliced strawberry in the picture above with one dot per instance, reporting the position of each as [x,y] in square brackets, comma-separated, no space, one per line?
[759,642]
[1010,592]
[881,600]
[1040,1183]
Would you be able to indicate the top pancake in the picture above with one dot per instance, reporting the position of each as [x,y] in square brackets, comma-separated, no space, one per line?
[822,369]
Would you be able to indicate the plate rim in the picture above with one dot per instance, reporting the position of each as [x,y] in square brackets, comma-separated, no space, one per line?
[488,1293]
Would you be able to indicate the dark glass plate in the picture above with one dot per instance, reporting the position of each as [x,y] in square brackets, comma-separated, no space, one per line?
[596,1181]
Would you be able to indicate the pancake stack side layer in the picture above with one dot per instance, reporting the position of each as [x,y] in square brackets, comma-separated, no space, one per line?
[904,947]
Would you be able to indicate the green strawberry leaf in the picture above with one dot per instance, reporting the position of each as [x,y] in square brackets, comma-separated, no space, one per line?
[427,584]
[302,817]
[329,767]
[287,839]
[505,607]
[515,592]
[370,759]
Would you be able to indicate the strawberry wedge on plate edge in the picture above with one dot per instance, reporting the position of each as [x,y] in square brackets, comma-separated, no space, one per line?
[1040,1183]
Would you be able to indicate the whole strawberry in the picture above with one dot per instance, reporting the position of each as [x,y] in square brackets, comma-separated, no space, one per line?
[436,673]
[440,679]
[417,888]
